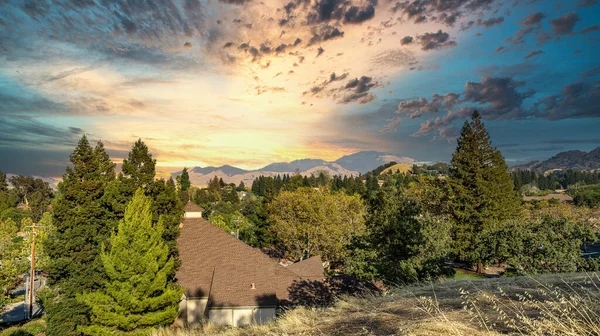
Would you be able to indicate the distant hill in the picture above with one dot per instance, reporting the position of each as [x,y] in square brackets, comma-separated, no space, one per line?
[402,167]
[574,159]
[354,164]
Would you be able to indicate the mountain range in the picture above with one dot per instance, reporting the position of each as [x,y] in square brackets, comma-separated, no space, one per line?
[353,164]
[574,159]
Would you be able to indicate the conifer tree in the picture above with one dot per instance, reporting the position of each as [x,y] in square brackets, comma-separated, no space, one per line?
[184,182]
[140,167]
[138,294]
[80,224]
[481,190]
[3,183]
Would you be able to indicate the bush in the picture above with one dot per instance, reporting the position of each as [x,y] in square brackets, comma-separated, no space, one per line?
[32,328]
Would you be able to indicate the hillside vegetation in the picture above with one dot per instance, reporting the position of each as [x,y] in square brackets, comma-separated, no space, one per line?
[567,304]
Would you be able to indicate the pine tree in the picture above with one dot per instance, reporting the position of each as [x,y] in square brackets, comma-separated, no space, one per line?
[80,228]
[138,295]
[139,166]
[481,190]
[184,180]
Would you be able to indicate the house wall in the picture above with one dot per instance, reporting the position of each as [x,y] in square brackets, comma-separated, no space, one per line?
[191,311]
[241,316]
[197,214]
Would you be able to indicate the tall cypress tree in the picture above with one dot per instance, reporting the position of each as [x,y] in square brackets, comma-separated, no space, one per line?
[3,183]
[481,190]
[138,294]
[80,228]
[184,180]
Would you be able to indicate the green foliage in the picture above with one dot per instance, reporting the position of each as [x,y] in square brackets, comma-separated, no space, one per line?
[481,189]
[184,180]
[139,166]
[81,225]
[547,245]
[403,244]
[32,328]
[137,295]
[308,222]
[236,224]
[586,195]
[3,183]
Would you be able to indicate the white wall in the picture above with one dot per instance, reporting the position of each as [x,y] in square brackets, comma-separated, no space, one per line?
[196,214]
[238,317]
[195,309]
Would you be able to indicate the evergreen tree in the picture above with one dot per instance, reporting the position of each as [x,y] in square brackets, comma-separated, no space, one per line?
[80,224]
[241,186]
[139,166]
[184,180]
[481,190]
[137,295]
[3,183]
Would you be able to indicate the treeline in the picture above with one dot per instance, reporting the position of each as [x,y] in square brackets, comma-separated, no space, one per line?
[554,180]
[404,227]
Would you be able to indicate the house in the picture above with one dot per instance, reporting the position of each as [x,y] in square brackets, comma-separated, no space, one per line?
[192,210]
[229,282]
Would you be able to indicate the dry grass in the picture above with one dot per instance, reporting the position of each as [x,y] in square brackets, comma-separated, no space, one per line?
[543,305]
[402,167]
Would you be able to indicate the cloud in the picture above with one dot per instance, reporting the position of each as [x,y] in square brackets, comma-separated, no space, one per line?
[406,40]
[187,44]
[576,100]
[394,58]
[490,22]
[446,12]
[533,53]
[589,29]
[358,15]
[433,41]
[533,19]
[564,25]
[325,33]
[357,90]
[416,108]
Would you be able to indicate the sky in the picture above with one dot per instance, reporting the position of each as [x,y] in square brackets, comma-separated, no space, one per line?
[249,82]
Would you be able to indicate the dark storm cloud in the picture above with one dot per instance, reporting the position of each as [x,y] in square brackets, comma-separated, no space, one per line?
[432,41]
[490,22]
[564,25]
[533,53]
[406,40]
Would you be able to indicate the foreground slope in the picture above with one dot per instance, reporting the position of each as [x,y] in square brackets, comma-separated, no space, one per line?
[564,304]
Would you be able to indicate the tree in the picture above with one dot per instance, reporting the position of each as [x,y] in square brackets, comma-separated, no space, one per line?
[241,186]
[81,225]
[309,222]
[140,167]
[481,189]
[27,185]
[137,295]
[3,183]
[403,244]
[184,180]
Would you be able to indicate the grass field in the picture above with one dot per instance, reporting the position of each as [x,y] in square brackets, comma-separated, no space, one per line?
[402,167]
[566,304]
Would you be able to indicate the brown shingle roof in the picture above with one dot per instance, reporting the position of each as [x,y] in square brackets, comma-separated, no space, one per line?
[192,207]
[215,264]
[309,269]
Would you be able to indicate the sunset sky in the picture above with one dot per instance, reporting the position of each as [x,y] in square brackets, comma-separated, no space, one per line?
[248,83]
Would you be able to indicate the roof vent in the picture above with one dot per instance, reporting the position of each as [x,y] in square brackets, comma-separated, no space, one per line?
[253,286]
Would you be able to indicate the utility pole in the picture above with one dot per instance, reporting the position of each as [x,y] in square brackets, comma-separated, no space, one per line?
[32,274]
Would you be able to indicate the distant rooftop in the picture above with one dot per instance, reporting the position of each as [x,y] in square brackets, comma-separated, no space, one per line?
[192,207]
